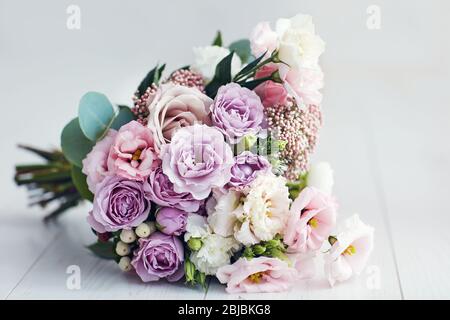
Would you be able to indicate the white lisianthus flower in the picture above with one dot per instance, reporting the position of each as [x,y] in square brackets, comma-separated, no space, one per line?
[299,46]
[222,217]
[350,252]
[207,58]
[320,176]
[264,211]
[196,227]
[215,252]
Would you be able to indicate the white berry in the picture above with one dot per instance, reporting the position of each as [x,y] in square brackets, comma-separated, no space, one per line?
[127,236]
[145,229]
[125,264]
[122,249]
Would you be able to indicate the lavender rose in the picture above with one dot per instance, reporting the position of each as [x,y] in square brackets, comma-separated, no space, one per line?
[246,166]
[237,111]
[160,190]
[159,256]
[118,204]
[197,160]
[171,221]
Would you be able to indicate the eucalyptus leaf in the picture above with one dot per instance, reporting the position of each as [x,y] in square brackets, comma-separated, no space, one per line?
[79,180]
[74,143]
[242,49]
[105,250]
[222,76]
[218,39]
[124,116]
[95,114]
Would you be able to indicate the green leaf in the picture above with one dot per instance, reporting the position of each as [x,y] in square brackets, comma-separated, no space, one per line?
[249,67]
[153,76]
[79,180]
[105,250]
[218,39]
[222,76]
[95,114]
[242,49]
[124,116]
[74,143]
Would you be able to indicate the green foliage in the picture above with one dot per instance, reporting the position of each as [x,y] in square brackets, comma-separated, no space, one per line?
[192,275]
[242,49]
[74,143]
[153,76]
[218,39]
[96,114]
[104,250]
[79,180]
[222,76]
[124,116]
[274,248]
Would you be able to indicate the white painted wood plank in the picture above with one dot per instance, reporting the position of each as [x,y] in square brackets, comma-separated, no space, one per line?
[24,240]
[100,279]
[344,144]
[411,126]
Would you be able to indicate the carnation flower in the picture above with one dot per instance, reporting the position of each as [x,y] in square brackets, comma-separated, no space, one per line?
[245,169]
[197,160]
[311,220]
[133,154]
[171,221]
[261,274]
[118,204]
[237,111]
[263,39]
[207,58]
[350,251]
[95,165]
[160,190]
[159,256]
[175,107]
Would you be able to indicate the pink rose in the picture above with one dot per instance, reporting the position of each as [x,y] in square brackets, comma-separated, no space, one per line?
[270,93]
[95,164]
[263,39]
[260,274]
[133,154]
[175,107]
[312,217]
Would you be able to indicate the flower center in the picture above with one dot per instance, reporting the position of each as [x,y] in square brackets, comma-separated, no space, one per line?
[351,250]
[256,277]
[136,155]
[268,206]
[313,223]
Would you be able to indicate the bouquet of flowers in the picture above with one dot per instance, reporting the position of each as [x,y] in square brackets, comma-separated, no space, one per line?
[208,173]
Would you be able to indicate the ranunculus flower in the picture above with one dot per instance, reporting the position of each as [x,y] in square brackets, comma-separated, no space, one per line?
[175,107]
[237,111]
[171,221]
[263,39]
[299,45]
[95,165]
[118,204]
[159,256]
[312,217]
[197,160]
[160,190]
[349,254]
[260,274]
[245,169]
[320,176]
[133,154]
[207,58]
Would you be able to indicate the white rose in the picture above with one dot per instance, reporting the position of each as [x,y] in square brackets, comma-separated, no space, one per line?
[299,46]
[265,210]
[320,176]
[349,254]
[207,58]
[215,252]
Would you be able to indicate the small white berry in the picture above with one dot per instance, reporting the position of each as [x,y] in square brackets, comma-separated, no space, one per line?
[122,249]
[145,229]
[127,236]
[125,264]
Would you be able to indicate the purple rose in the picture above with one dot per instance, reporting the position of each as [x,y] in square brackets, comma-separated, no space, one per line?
[118,204]
[197,160]
[160,190]
[246,166]
[171,221]
[237,111]
[159,256]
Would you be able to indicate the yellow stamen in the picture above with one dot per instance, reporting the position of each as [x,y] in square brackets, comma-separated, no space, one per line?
[351,250]
[256,277]
[313,223]
[136,155]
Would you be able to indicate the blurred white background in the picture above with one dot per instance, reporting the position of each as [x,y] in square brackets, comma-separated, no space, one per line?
[386,105]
